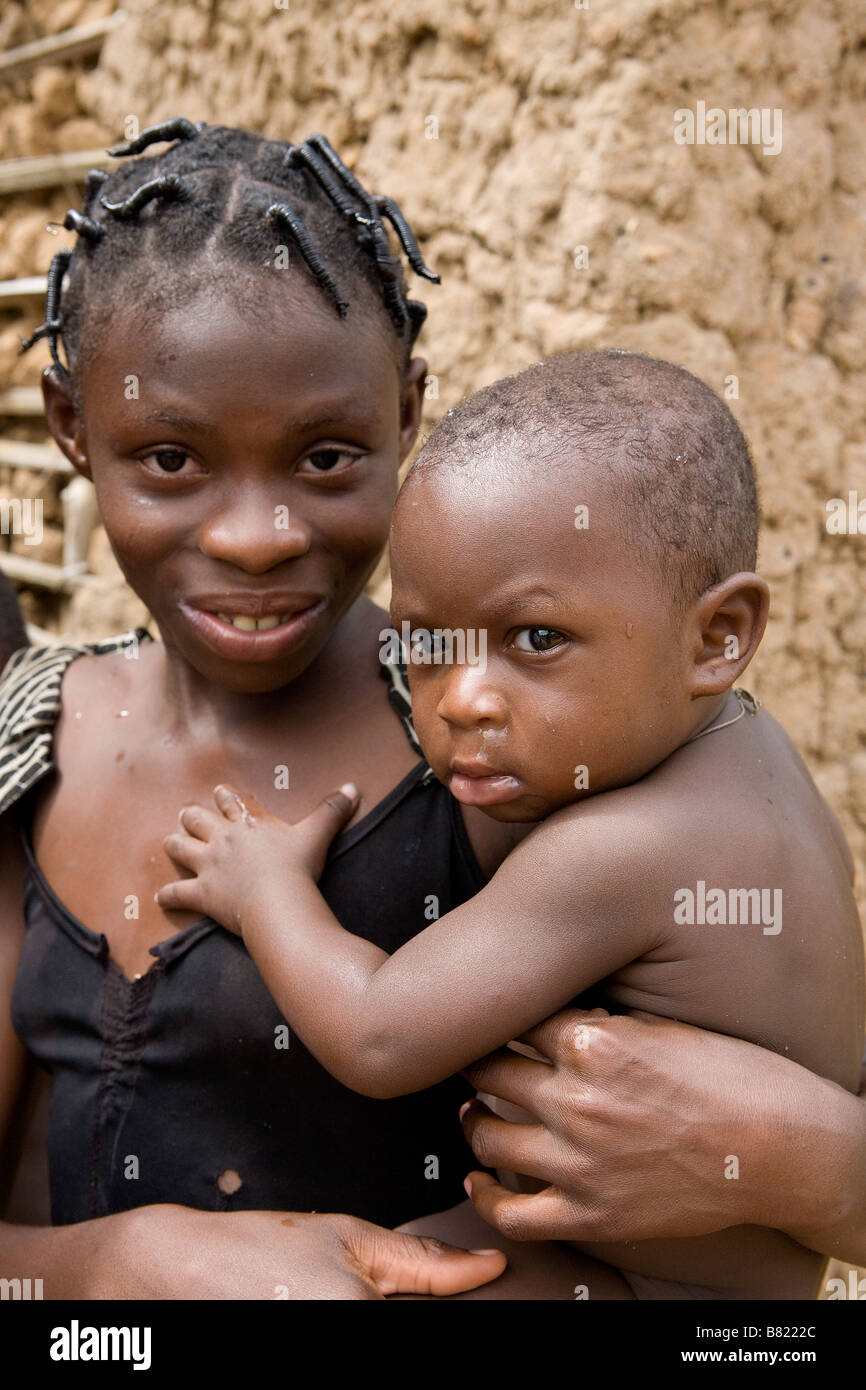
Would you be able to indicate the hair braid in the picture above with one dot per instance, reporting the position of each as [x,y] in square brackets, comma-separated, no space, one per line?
[226,190]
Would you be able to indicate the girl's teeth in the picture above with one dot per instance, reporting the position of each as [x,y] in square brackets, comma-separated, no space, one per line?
[246,624]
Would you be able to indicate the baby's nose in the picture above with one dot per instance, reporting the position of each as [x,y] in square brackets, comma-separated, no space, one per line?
[471,698]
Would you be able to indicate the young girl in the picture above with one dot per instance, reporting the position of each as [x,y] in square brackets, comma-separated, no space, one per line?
[239,386]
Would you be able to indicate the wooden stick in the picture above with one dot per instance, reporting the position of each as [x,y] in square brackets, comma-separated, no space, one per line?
[22,291]
[21,400]
[41,638]
[49,170]
[71,43]
[19,453]
[80,518]
[43,576]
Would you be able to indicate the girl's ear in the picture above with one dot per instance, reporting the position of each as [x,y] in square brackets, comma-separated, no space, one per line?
[729,624]
[64,420]
[413,404]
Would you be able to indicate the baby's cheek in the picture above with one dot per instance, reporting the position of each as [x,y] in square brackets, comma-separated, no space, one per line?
[561,775]
[431,730]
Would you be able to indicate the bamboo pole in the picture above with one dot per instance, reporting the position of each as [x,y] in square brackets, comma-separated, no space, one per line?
[51,170]
[39,637]
[43,576]
[21,400]
[71,43]
[23,290]
[20,453]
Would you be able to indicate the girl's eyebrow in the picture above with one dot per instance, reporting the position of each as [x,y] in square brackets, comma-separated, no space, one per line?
[363,418]
[174,417]
[358,411]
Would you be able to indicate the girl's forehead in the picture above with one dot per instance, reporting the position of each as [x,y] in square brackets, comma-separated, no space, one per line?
[213,340]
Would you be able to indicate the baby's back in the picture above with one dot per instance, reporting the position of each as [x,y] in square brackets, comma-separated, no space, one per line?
[748,892]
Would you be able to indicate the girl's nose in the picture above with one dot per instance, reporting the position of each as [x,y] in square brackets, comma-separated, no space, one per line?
[254,536]
[471,698]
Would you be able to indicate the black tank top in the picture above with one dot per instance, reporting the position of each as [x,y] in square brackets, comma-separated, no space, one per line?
[186,1084]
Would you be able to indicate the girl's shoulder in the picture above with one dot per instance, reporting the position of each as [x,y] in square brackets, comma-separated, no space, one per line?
[30,706]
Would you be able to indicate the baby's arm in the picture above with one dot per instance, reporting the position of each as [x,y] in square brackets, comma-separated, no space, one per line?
[550,923]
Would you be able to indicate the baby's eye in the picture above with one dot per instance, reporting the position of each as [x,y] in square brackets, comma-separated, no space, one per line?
[167,460]
[428,644]
[331,460]
[538,639]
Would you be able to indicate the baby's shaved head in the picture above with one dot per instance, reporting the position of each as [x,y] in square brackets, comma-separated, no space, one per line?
[676,461]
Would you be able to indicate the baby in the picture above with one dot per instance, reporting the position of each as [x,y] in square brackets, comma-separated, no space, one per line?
[591,525]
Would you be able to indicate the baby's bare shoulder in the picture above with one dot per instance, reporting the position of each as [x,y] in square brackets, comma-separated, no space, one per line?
[737,808]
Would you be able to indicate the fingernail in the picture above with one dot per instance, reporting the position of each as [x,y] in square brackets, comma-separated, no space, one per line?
[350,790]
[467,1186]
[492,1251]
[464,1107]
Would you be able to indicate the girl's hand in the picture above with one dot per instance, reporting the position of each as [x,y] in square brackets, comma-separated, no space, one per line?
[631,1108]
[237,851]
[175,1252]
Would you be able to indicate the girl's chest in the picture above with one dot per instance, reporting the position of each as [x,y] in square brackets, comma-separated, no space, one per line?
[99,828]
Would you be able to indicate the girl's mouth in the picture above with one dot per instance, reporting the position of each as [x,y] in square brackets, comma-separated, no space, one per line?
[242,637]
[245,624]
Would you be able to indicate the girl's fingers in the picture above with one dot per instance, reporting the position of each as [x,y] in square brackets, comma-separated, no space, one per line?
[397,1263]
[563,1036]
[518,1215]
[181,896]
[509,1076]
[184,850]
[499,1143]
[197,821]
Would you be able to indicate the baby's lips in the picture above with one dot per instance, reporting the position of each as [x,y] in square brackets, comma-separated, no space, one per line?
[486,790]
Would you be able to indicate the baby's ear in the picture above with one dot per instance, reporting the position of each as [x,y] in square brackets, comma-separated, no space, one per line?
[729,624]
[64,419]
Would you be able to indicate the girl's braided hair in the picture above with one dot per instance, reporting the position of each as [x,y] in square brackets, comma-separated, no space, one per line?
[216,194]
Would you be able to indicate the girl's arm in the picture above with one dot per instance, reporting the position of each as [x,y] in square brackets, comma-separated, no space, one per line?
[477,977]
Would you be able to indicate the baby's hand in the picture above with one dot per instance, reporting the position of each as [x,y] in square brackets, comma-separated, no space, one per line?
[237,851]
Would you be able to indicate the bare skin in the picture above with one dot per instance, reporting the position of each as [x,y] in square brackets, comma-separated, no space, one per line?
[234,419]
[586,905]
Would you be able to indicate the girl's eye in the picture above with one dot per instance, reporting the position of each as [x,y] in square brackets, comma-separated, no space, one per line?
[167,460]
[538,639]
[327,461]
